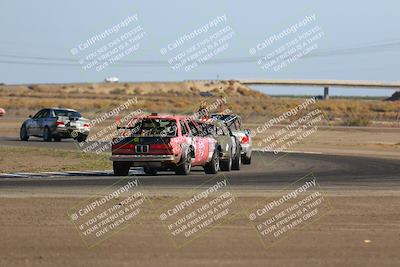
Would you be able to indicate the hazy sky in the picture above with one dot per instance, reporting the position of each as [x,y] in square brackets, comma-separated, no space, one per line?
[361,38]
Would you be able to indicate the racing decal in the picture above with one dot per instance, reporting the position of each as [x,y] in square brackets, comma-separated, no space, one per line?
[201,150]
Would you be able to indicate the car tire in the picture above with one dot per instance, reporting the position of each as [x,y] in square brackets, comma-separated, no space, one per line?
[46,134]
[150,171]
[226,165]
[121,168]
[246,160]
[23,133]
[184,167]
[237,161]
[81,138]
[57,139]
[212,167]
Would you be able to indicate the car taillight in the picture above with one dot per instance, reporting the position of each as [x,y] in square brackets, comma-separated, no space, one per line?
[123,146]
[128,146]
[86,125]
[245,139]
[59,123]
[162,148]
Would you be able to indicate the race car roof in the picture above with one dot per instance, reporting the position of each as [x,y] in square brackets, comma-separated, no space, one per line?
[225,117]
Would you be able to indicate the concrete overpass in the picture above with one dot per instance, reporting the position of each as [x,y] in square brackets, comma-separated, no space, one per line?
[326,84]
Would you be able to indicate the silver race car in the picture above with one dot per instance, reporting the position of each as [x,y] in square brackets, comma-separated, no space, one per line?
[233,122]
[57,124]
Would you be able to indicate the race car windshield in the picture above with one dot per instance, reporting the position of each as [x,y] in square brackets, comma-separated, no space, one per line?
[67,113]
[154,127]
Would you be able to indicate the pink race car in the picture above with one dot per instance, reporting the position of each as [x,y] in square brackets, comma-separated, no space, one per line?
[157,142]
[2,112]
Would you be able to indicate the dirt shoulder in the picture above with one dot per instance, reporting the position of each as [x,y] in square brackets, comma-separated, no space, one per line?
[358,231]
[354,141]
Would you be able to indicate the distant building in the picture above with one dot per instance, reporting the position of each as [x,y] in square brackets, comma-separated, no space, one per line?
[111,80]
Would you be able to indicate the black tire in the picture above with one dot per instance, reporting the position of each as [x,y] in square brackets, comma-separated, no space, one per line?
[23,133]
[46,134]
[81,138]
[237,161]
[184,167]
[121,168]
[150,171]
[57,139]
[212,167]
[226,165]
[246,160]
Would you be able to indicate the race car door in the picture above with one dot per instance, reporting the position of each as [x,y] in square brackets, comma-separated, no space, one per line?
[201,147]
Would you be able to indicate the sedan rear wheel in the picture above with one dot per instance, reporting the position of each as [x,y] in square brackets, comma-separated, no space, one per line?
[23,133]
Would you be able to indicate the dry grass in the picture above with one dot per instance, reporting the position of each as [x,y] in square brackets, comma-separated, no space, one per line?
[19,159]
[185,97]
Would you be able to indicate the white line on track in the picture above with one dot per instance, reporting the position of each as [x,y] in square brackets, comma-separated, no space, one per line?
[65,173]
[291,151]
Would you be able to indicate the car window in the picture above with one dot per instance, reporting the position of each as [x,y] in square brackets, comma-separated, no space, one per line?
[153,127]
[45,114]
[193,129]
[184,129]
[227,131]
[237,125]
[67,113]
[38,115]
[234,124]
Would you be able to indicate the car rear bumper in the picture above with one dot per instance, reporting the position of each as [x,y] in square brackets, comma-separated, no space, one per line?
[246,150]
[68,132]
[144,158]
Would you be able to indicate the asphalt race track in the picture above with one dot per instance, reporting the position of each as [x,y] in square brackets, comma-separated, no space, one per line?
[266,171]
